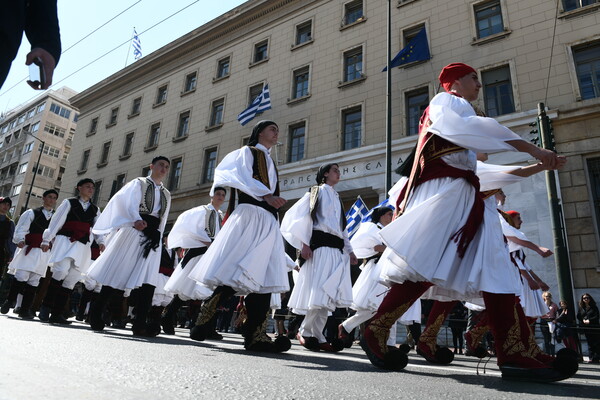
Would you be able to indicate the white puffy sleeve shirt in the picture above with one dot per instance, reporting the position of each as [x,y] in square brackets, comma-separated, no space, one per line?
[235,171]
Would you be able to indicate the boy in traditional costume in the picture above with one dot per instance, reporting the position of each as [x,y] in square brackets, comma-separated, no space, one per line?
[440,236]
[69,231]
[137,214]
[247,256]
[30,262]
[316,225]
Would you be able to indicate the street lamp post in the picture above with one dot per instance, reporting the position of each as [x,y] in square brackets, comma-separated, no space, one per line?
[37,167]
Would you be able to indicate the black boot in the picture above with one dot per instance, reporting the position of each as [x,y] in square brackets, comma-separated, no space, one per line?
[204,323]
[144,302]
[28,295]
[255,334]
[86,297]
[153,323]
[60,301]
[97,308]
[15,289]
[168,319]
[54,288]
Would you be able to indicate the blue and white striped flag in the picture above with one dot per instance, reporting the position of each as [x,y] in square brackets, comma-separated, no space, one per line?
[354,216]
[261,103]
[137,46]
[385,203]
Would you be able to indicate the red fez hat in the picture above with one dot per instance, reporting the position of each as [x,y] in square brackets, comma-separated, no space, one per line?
[513,213]
[452,72]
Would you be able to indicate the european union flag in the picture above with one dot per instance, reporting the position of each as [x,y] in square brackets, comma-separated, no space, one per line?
[416,50]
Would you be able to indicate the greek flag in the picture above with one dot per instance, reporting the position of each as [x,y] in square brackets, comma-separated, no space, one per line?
[385,203]
[261,103]
[354,216]
[137,46]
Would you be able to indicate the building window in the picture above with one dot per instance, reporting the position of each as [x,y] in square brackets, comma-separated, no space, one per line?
[261,51]
[210,163]
[154,135]
[190,82]
[216,112]
[117,184]
[128,145]
[76,117]
[114,113]
[97,189]
[161,95]
[254,92]
[351,128]
[223,68]
[136,106]
[46,171]
[353,11]
[593,165]
[300,88]
[587,66]
[35,127]
[85,159]
[303,33]
[175,175]
[570,5]
[296,150]
[497,92]
[40,108]
[93,125]
[30,113]
[105,153]
[488,18]
[146,171]
[353,64]
[416,102]
[28,148]
[62,111]
[49,150]
[183,125]
[16,190]
[22,168]
[54,130]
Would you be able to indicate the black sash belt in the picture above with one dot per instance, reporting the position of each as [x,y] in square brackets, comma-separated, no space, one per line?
[323,239]
[151,239]
[191,253]
[246,199]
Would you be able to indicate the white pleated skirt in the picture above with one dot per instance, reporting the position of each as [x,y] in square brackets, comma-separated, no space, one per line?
[161,298]
[36,261]
[323,282]
[122,265]
[247,255]
[182,285]
[63,248]
[420,247]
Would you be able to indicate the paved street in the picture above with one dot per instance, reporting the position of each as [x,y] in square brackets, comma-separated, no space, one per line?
[41,361]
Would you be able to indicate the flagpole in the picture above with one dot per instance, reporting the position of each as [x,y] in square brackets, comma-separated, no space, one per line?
[388,105]
[129,47]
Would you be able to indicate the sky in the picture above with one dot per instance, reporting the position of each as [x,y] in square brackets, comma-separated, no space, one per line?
[79,18]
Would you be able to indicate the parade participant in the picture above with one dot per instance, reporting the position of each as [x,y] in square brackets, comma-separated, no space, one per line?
[194,231]
[30,262]
[367,291]
[247,256]
[69,231]
[440,235]
[91,288]
[316,225]
[137,214]
[531,296]
[7,247]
